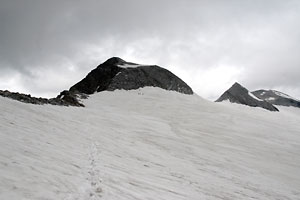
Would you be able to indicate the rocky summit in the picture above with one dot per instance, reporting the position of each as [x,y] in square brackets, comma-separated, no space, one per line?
[239,94]
[277,98]
[115,74]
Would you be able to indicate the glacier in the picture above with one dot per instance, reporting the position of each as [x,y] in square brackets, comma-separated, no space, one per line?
[148,144]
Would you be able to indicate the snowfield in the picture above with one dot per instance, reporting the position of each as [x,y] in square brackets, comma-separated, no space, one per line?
[148,144]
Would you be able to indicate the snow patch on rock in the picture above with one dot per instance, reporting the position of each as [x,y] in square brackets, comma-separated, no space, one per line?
[253,96]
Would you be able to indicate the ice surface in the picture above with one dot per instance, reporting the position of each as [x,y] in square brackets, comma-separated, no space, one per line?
[148,144]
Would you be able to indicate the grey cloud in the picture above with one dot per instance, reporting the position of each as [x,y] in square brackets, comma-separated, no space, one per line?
[42,41]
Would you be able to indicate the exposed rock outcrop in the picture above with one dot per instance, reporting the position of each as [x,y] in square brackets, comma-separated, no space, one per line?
[67,100]
[239,94]
[113,74]
[116,74]
[277,98]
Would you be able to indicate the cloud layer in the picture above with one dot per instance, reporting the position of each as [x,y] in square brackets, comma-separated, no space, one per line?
[47,46]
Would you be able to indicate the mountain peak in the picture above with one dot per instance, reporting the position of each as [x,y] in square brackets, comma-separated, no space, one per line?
[114,61]
[236,84]
[116,74]
[239,94]
[236,87]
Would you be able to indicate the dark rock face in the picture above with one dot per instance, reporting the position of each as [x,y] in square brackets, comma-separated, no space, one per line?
[98,79]
[116,73]
[239,94]
[277,98]
[68,100]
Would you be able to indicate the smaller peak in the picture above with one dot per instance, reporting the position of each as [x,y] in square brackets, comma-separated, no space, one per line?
[237,87]
[236,84]
[115,61]
[239,94]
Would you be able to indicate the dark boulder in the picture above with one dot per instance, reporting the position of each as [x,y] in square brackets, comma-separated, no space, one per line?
[69,98]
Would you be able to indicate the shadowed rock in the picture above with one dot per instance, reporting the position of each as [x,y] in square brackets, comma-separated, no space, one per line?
[67,100]
[239,94]
[116,74]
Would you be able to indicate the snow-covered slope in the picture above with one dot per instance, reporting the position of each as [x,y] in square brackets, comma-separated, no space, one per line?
[148,144]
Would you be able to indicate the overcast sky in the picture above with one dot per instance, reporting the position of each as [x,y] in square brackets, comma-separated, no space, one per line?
[47,46]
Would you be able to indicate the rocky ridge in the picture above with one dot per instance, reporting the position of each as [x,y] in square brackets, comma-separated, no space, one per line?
[116,74]
[113,74]
[277,98]
[239,94]
[69,99]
